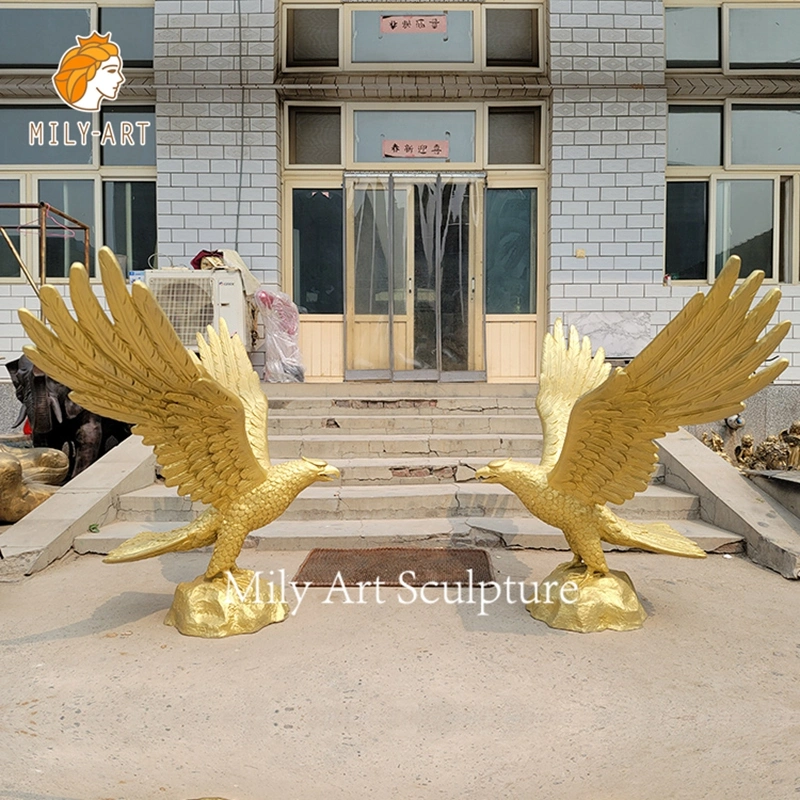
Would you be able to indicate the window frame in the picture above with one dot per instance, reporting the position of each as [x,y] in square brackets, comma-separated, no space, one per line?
[323,179]
[478,63]
[727,171]
[724,37]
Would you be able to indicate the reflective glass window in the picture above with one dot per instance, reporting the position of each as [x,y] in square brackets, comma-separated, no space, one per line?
[129,227]
[694,136]
[692,36]
[317,250]
[44,135]
[745,216]
[134,143]
[38,37]
[76,198]
[132,30]
[510,251]
[765,38]
[687,230]
[9,220]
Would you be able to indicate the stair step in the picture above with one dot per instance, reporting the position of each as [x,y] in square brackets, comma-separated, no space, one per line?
[338,445]
[335,423]
[328,502]
[406,406]
[400,389]
[517,533]
[529,533]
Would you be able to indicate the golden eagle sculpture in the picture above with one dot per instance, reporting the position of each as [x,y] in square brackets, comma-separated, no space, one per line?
[600,430]
[206,419]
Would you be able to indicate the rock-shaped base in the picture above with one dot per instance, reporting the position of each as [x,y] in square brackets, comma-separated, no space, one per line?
[214,609]
[604,602]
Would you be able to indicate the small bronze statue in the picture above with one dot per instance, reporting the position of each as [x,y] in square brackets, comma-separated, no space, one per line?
[771,454]
[28,476]
[791,438]
[714,442]
[744,452]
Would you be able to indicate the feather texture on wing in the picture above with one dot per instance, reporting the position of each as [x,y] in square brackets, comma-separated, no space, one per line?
[206,421]
[700,368]
[567,373]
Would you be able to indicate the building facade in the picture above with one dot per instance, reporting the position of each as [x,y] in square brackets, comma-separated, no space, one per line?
[432,184]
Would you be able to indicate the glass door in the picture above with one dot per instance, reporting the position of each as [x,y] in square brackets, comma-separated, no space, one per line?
[418,235]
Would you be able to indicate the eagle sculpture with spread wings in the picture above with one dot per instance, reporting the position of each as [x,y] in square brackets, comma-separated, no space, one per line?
[600,428]
[206,418]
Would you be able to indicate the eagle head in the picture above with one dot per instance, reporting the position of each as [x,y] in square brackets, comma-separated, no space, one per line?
[494,471]
[320,470]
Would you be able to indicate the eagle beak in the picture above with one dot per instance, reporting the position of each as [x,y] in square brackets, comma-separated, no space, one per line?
[329,473]
[484,473]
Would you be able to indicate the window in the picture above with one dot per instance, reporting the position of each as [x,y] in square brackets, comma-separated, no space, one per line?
[735,195]
[510,251]
[451,131]
[76,198]
[692,36]
[312,37]
[133,31]
[315,135]
[9,220]
[97,168]
[129,222]
[134,132]
[36,38]
[512,37]
[318,269]
[733,37]
[369,36]
[695,136]
[514,135]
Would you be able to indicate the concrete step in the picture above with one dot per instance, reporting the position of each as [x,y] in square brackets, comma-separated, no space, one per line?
[399,389]
[333,447]
[525,533]
[412,470]
[434,501]
[381,424]
[411,405]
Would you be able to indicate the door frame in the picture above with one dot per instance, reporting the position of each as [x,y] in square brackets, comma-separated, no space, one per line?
[475,289]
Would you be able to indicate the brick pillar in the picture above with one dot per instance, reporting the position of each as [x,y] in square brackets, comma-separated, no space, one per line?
[213,59]
[607,164]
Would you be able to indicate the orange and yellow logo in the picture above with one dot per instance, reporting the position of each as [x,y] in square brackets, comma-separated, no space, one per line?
[90,73]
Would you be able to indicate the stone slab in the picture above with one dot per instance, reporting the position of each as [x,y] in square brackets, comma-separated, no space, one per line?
[730,501]
[48,532]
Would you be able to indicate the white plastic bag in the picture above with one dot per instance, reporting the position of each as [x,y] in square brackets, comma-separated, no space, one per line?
[281,325]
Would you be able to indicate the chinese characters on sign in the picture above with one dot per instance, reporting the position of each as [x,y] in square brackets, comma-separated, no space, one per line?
[408,148]
[410,23]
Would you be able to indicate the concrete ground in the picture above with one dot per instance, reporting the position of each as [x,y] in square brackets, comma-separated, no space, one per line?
[99,700]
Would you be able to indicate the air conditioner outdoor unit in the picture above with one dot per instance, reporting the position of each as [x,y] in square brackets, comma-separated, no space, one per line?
[193,299]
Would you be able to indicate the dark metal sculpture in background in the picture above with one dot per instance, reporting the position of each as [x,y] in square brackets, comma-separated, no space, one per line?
[58,422]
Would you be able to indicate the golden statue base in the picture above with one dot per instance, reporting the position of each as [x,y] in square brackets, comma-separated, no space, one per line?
[213,609]
[605,602]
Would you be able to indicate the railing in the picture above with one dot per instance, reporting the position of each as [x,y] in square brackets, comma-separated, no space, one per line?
[46,215]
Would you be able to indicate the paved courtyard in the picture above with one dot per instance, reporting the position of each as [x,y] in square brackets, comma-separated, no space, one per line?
[99,700]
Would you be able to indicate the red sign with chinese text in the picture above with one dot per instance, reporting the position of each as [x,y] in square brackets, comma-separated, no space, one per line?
[411,23]
[416,148]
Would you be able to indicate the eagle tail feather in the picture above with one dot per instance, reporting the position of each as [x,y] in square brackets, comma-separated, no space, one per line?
[148,544]
[658,537]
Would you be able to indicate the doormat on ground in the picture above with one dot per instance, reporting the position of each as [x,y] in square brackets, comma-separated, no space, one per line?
[387,563]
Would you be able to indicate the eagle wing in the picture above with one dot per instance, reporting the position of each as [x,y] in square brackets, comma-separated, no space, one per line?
[204,420]
[701,367]
[567,373]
